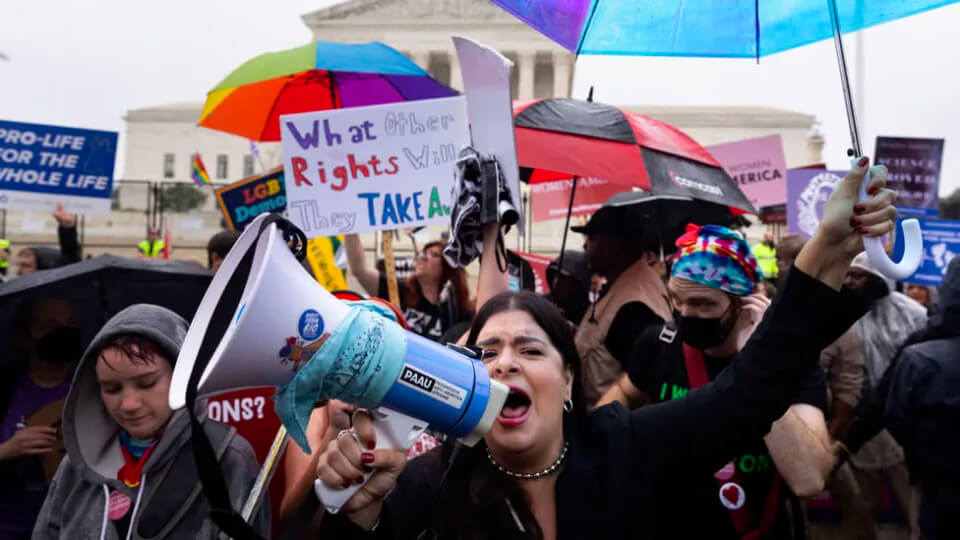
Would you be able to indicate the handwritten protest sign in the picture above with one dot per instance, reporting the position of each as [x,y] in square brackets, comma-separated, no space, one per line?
[243,201]
[913,172]
[42,166]
[321,255]
[372,168]
[757,166]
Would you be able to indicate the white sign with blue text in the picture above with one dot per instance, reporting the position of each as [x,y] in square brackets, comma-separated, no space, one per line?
[372,168]
[42,166]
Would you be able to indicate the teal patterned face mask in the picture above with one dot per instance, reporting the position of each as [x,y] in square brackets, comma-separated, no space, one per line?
[358,363]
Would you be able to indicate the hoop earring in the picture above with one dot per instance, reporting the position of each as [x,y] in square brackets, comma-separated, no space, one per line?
[568,405]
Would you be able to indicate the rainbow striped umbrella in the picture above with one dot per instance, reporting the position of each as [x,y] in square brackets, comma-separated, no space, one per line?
[320,76]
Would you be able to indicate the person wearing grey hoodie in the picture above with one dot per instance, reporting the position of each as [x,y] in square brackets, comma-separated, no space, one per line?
[130,470]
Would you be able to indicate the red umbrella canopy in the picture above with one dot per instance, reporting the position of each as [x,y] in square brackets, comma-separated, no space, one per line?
[559,138]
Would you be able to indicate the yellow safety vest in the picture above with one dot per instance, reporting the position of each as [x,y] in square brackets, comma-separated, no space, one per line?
[151,251]
[767,257]
[4,244]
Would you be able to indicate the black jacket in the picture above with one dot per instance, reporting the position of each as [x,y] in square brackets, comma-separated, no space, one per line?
[922,411]
[69,252]
[624,465]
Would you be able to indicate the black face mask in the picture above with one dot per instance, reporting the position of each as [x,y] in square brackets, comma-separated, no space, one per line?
[61,346]
[704,333]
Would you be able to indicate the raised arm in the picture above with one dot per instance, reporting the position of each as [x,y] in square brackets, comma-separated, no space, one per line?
[711,423]
[368,277]
[801,449]
[491,281]
[67,234]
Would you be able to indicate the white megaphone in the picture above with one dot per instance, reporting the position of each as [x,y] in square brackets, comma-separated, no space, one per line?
[264,317]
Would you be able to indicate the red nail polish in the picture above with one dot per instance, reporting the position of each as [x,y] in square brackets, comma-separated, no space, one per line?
[863,161]
[346,485]
[359,480]
[371,445]
[855,223]
[864,230]
[366,457]
[858,209]
[872,190]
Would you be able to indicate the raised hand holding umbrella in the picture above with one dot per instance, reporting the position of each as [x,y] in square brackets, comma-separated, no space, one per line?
[732,29]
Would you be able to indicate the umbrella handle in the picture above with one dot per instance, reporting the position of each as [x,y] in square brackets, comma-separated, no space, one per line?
[912,246]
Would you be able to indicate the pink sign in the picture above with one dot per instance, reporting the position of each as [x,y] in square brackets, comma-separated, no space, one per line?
[757,166]
[551,199]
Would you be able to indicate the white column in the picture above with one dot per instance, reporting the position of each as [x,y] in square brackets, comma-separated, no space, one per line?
[455,76]
[561,74]
[421,58]
[526,64]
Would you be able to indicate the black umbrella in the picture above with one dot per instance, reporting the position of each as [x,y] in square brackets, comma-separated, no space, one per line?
[661,219]
[101,287]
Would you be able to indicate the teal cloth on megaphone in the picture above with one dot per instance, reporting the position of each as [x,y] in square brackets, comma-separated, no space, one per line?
[358,364]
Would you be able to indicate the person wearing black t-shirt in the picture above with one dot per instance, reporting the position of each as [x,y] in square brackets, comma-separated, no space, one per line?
[433,299]
[712,290]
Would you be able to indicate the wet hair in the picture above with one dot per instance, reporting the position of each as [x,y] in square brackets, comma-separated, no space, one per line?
[140,350]
[475,498]
[412,293]
[220,244]
[789,246]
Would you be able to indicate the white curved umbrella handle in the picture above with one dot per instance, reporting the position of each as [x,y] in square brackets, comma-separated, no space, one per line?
[912,246]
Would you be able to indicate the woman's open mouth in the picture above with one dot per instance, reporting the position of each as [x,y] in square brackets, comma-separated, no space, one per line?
[515,409]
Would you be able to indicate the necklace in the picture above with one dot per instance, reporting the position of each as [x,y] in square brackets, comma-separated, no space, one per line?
[531,476]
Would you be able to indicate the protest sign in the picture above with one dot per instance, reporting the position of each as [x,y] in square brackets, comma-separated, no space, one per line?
[941,243]
[807,192]
[550,200]
[486,85]
[42,166]
[372,168]
[914,172]
[242,201]
[321,254]
[757,166]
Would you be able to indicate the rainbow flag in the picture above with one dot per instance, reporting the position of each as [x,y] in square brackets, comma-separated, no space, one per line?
[199,172]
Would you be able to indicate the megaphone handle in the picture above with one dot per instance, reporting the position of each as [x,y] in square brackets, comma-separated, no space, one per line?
[912,245]
[395,431]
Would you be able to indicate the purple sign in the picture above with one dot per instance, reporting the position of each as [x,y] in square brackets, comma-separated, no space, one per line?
[807,193]
[914,171]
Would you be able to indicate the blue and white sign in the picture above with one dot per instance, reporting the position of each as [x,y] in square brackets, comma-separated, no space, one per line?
[941,243]
[310,325]
[42,166]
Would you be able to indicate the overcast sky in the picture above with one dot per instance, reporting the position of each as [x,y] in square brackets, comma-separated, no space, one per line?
[86,63]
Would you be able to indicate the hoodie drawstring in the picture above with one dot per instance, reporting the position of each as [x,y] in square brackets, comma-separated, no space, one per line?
[106,512]
[136,505]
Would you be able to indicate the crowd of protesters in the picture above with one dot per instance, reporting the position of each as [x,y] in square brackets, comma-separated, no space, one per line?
[708,395]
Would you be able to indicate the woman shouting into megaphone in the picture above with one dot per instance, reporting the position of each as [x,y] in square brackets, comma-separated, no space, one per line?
[549,469]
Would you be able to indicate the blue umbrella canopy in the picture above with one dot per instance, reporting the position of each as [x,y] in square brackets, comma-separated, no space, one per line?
[704,28]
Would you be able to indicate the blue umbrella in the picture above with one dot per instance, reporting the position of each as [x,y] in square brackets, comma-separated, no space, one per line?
[725,29]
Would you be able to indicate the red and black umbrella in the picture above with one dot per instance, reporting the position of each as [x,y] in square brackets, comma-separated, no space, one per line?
[562,138]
